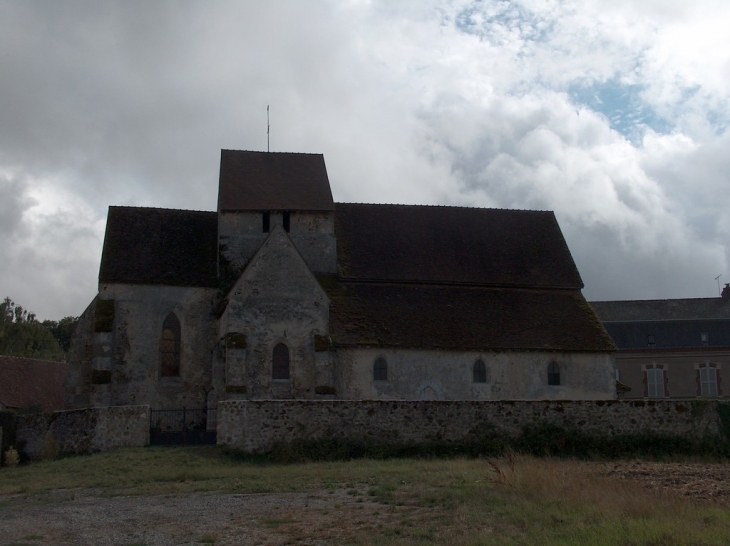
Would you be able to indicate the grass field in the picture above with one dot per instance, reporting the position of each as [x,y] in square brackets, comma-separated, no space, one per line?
[513,500]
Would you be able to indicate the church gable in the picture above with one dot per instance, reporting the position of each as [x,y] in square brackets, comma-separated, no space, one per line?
[275,286]
[274,310]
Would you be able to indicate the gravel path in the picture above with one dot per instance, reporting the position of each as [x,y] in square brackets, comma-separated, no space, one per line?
[85,517]
[82,518]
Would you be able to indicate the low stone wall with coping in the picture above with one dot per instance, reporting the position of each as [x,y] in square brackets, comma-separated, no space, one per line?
[43,435]
[257,426]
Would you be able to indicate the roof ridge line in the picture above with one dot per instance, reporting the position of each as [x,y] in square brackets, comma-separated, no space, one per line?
[161,209]
[714,298]
[440,206]
[352,280]
[685,319]
[267,152]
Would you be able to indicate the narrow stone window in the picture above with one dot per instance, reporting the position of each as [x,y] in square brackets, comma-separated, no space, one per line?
[553,373]
[286,220]
[380,369]
[170,347]
[280,368]
[480,372]
[267,222]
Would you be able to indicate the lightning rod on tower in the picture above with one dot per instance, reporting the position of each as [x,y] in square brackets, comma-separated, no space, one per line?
[267,128]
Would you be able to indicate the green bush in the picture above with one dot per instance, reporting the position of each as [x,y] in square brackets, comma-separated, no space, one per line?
[546,439]
[539,440]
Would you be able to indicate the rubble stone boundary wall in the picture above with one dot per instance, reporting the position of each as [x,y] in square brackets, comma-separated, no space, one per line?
[257,426]
[83,431]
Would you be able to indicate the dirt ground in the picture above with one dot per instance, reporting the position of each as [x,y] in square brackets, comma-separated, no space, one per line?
[699,482]
[84,517]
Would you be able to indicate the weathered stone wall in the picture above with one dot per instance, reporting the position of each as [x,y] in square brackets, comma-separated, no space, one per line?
[276,300]
[256,426]
[314,236]
[240,235]
[448,375]
[77,385]
[83,431]
[129,354]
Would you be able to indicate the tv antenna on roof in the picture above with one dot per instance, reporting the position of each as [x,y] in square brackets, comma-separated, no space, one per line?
[718,284]
[267,129]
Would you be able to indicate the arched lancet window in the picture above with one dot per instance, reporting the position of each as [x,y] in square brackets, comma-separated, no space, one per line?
[553,373]
[480,372]
[280,368]
[380,369]
[170,347]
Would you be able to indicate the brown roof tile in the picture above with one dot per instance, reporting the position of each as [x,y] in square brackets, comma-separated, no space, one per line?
[453,245]
[160,246]
[26,383]
[253,181]
[458,318]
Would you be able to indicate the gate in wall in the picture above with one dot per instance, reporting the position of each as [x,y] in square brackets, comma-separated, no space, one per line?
[179,427]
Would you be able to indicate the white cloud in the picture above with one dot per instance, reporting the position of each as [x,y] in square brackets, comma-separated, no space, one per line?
[52,258]
[445,101]
[14,201]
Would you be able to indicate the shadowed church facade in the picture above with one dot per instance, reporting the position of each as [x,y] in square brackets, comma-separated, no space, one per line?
[283,293]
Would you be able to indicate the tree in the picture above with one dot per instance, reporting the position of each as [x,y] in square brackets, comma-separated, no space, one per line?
[62,330]
[22,335]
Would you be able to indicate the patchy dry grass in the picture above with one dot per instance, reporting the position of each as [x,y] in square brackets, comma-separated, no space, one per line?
[513,500]
[568,502]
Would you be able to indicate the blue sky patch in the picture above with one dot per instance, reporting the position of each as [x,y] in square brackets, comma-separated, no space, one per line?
[490,21]
[622,105]
[503,21]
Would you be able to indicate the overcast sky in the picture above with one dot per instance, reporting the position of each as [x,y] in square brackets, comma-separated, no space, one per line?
[613,114]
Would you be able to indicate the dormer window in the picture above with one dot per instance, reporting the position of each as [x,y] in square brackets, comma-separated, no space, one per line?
[267,222]
[651,340]
[705,338]
[286,220]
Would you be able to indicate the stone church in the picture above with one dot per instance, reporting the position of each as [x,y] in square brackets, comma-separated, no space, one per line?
[283,293]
